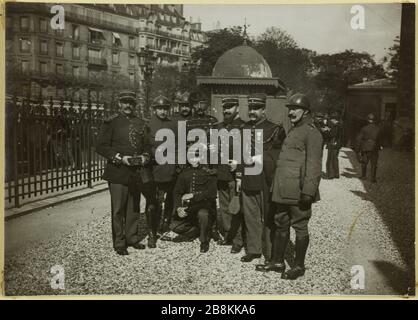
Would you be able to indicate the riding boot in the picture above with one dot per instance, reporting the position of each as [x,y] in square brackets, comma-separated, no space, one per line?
[301,246]
[363,171]
[373,173]
[152,222]
[278,250]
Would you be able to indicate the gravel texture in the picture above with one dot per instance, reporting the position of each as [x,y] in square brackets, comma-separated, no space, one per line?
[353,218]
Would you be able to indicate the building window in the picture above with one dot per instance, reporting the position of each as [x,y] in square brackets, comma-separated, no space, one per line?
[24,44]
[115,57]
[76,71]
[131,43]
[43,68]
[131,78]
[43,47]
[150,42]
[76,52]
[95,54]
[59,49]
[24,23]
[59,32]
[25,66]
[116,40]
[43,25]
[131,60]
[96,36]
[76,32]
[60,69]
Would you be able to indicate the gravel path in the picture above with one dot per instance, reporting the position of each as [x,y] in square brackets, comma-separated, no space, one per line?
[354,223]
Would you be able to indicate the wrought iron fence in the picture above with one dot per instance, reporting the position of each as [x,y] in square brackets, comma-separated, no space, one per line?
[50,147]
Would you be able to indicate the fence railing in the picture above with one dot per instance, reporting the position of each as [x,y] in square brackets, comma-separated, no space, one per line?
[50,148]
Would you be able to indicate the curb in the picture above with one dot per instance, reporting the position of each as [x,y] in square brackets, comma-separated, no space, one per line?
[13,213]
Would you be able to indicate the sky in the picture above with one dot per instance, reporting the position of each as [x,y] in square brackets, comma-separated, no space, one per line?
[324,28]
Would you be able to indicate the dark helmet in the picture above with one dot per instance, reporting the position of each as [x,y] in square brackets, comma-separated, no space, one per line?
[299,100]
[160,101]
[370,117]
[182,98]
[196,97]
[334,115]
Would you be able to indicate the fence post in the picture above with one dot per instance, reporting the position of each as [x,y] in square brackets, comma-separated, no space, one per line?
[89,173]
[15,117]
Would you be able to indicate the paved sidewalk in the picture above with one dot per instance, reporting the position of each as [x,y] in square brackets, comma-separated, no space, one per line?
[53,201]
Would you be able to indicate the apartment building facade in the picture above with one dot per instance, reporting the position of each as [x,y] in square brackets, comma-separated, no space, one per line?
[98,47]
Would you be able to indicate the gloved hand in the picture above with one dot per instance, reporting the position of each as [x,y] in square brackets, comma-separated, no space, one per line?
[305,201]
[181,211]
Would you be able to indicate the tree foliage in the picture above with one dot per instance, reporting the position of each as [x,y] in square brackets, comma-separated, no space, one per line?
[218,42]
[392,60]
[334,72]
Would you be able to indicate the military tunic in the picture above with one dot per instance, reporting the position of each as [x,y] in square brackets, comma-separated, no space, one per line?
[230,225]
[163,174]
[368,145]
[334,141]
[201,182]
[255,188]
[298,171]
[127,136]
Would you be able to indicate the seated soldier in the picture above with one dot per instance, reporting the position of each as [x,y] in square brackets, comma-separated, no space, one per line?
[194,204]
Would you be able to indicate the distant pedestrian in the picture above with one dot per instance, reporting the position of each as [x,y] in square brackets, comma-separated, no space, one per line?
[333,144]
[368,144]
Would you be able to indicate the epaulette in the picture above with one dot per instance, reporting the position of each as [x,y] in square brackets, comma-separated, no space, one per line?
[110,117]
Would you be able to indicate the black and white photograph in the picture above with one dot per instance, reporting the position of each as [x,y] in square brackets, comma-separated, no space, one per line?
[189,150]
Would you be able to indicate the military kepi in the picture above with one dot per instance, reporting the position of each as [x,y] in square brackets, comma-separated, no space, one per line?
[257,101]
[160,101]
[230,102]
[127,96]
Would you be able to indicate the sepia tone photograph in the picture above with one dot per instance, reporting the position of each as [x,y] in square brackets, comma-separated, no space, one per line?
[209,149]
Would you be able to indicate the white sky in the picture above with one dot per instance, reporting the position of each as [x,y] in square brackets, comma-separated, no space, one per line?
[324,28]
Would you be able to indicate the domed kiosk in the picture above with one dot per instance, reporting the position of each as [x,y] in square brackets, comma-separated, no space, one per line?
[241,71]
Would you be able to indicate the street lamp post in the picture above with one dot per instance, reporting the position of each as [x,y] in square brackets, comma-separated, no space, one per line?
[146,63]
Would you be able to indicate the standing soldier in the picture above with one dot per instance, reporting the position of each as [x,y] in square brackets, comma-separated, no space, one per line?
[184,116]
[164,174]
[295,187]
[230,223]
[333,142]
[255,188]
[368,146]
[124,142]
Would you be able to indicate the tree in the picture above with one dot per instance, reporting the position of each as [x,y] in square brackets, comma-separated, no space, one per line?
[392,60]
[333,73]
[286,60]
[218,42]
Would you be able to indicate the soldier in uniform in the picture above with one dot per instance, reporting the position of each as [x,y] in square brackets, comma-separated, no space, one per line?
[255,188]
[333,143]
[163,174]
[295,187]
[194,195]
[201,120]
[230,224]
[124,142]
[368,145]
[184,116]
